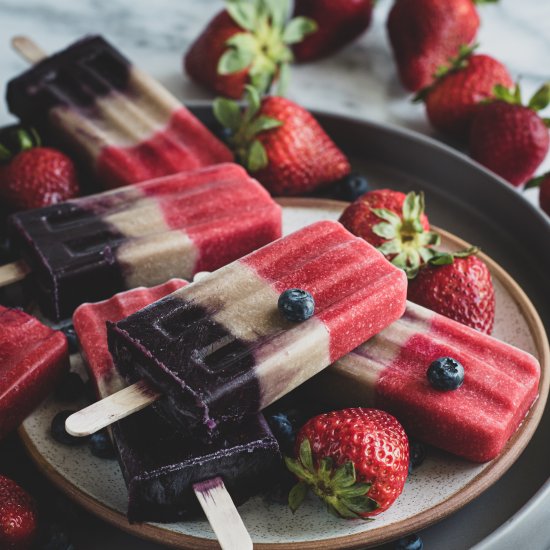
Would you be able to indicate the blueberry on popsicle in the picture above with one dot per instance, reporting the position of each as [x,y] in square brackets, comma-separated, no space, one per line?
[219,349]
[473,420]
[158,463]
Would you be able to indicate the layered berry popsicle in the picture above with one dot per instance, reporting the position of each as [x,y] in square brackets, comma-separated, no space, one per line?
[119,120]
[475,420]
[32,357]
[87,249]
[220,349]
[159,464]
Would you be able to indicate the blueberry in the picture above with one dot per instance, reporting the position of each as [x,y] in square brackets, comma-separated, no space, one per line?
[417,454]
[71,388]
[445,374]
[296,305]
[351,187]
[56,538]
[101,446]
[72,338]
[283,429]
[410,542]
[59,433]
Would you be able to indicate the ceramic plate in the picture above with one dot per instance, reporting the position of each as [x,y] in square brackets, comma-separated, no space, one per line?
[440,486]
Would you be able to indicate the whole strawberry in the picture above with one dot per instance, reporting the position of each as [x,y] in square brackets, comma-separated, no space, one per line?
[281,144]
[356,460]
[543,183]
[18,521]
[424,34]
[339,22]
[394,223]
[452,99]
[247,43]
[509,138]
[459,286]
[35,176]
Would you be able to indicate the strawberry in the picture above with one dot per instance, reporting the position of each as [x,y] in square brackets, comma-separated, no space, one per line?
[281,144]
[424,34]
[248,42]
[339,22]
[395,223]
[459,286]
[35,176]
[18,521]
[509,138]
[356,460]
[543,183]
[452,99]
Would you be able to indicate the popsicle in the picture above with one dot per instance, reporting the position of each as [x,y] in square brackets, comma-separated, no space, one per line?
[161,466]
[125,125]
[220,350]
[32,357]
[389,372]
[89,248]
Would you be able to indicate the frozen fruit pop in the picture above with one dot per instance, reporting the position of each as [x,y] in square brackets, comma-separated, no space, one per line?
[118,119]
[390,372]
[32,357]
[87,249]
[159,465]
[220,349]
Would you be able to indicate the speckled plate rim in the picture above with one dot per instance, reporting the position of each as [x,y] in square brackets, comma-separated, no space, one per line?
[487,477]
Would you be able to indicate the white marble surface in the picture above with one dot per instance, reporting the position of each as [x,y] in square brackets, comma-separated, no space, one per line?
[360,81]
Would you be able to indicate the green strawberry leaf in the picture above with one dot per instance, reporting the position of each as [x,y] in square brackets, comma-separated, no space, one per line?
[5,154]
[262,123]
[254,102]
[297,29]
[385,230]
[356,490]
[546,122]
[245,14]
[541,99]
[360,504]
[234,60]
[535,182]
[297,495]
[345,475]
[387,215]
[306,456]
[279,11]
[442,258]
[228,113]
[284,79]
[390,247]
[257,156]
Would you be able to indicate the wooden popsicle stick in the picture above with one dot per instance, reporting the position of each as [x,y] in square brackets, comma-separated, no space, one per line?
[222,515]
[117,406]
[14,272]
[27,49]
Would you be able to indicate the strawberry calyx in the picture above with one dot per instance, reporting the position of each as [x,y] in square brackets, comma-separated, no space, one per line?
[264,45]
[407,240]
[454,65]
[244,127]
[536,181]
[338,487]
[20,140]
[539,101]
[440,258]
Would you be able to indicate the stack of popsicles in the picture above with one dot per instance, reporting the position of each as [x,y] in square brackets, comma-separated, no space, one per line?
[158,463]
